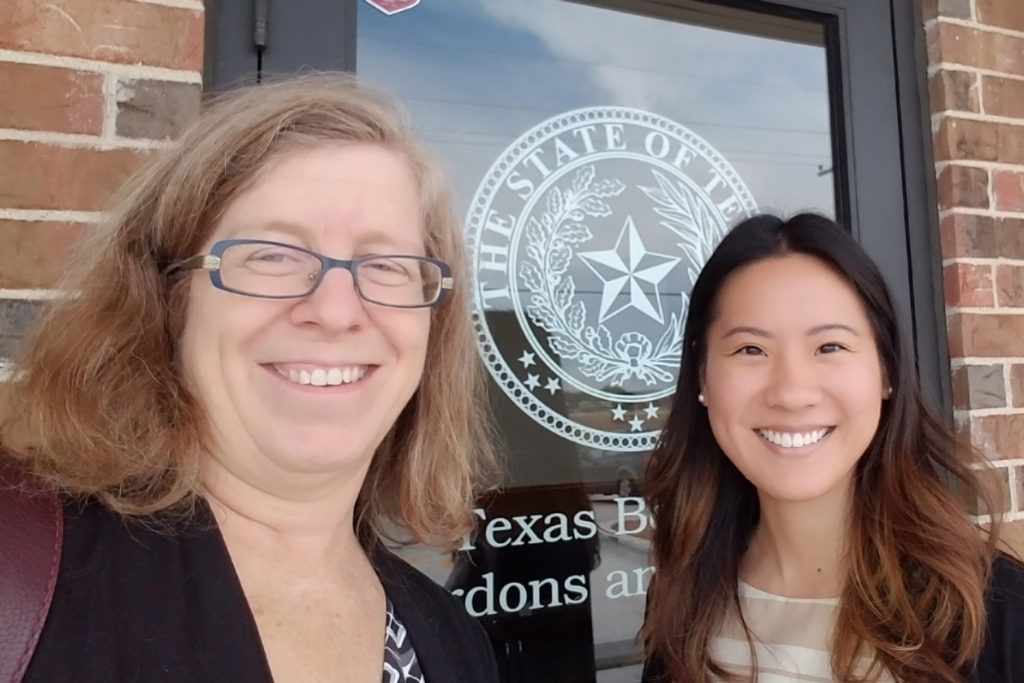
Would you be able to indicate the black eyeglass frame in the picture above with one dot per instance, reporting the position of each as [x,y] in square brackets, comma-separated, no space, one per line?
[212,262]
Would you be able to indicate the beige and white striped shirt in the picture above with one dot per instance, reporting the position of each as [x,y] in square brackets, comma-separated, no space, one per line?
[791,636]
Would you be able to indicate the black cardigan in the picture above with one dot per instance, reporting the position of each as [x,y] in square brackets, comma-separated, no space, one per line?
[137,604]
[1002,656]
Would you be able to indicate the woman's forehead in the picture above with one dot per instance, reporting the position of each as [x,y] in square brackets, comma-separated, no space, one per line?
[793,290]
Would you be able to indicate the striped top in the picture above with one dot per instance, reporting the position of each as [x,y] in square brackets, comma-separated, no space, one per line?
[791,636]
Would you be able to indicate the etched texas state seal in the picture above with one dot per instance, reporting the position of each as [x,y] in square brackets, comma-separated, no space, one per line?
[587,235]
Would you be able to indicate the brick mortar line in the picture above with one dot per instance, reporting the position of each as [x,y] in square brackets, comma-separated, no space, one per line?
[960,361]
[987,28]
[41,215]
[984,310]
[965,417]
[98,142]
[993,277]
[1011,482]
[30,294]
[973,163]
[984,213]
[158,73]
[109,130]
[978,87]
[994,464]
[977,70]
[180,4]
[966,366]
[990,190]
[939,116]
[978,261]
[941,17]
[988,412]
[1011,516]
[1008,384]
[1008,462]
[987,519]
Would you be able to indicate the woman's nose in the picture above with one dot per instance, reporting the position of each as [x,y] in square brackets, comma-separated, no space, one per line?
[335,303]
[794,383]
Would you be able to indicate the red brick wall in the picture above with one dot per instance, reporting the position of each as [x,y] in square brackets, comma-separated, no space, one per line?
[90,87]
[976,84]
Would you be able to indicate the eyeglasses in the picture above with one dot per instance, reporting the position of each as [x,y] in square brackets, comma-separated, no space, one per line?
[272,270]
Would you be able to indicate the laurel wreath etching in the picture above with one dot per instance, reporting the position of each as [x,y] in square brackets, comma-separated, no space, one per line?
[689,217]
[553,304]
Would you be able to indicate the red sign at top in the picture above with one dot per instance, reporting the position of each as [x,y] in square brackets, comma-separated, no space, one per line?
[393,6]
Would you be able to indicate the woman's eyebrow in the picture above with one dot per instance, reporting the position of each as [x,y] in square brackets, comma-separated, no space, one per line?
[371,236]
[765,334]
[832,327]
[281,227]
[746,329]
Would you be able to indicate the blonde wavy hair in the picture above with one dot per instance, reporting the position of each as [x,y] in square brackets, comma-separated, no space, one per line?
[98,407]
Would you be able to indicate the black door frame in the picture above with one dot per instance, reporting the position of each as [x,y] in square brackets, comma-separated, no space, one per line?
[883,166]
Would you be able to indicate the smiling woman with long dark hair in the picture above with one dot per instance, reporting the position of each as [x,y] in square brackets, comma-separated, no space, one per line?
[809,508]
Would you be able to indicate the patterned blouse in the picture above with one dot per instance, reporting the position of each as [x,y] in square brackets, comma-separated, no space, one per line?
[400,664]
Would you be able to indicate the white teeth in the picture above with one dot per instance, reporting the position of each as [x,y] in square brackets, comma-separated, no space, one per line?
[793,439]
[322,377]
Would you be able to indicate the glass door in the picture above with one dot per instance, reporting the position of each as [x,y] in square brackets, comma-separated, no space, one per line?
[598,156]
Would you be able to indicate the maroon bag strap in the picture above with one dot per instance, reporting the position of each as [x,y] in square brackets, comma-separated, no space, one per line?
[31,534]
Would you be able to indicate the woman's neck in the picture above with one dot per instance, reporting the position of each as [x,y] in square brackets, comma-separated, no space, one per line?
[302,523]
[797,548]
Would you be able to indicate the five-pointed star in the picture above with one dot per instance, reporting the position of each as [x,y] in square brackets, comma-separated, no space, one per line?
[618,413]
[552,385]
[651,410]
[526,359]
[625,267]
[636,424]
[532,381]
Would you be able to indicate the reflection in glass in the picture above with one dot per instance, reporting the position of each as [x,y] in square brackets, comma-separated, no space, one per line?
[477,73]
[676,130]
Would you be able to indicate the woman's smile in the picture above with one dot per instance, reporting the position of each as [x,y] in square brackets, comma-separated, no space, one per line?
[795,438]
[321,375]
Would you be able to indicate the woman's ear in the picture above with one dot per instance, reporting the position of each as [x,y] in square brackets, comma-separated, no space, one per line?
[701,386]
[886,386]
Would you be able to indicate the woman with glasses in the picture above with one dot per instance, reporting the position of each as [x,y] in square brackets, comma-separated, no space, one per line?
[810,516]
[266,370]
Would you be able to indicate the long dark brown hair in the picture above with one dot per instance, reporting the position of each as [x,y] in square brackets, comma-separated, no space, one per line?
[916,565]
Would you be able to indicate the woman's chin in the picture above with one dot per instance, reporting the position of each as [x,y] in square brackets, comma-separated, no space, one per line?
[326,461]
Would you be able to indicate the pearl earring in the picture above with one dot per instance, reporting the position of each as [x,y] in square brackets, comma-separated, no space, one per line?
[701,399]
